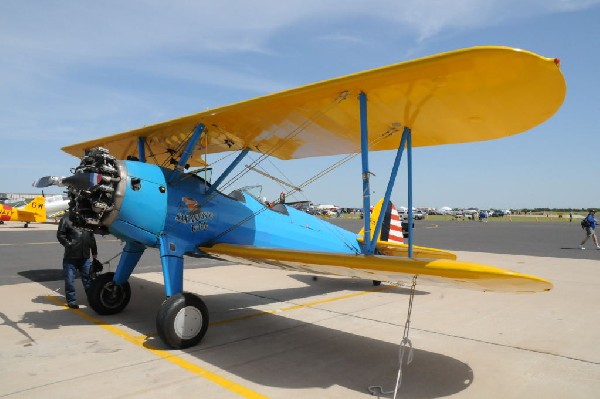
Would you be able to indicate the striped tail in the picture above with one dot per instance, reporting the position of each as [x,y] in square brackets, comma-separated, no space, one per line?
[391,238]
[391,228]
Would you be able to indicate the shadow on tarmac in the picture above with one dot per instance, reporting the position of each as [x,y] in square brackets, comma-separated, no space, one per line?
[280,351]
[42,275]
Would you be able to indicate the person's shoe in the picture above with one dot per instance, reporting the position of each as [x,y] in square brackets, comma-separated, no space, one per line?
[73,305]
[581,247]
[597,246]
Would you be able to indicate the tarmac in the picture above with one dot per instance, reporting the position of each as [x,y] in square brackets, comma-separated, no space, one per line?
[282,334]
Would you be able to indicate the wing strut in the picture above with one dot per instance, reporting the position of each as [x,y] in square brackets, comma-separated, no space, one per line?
[364,150]
[410,200]
[390,187]
[189,149]
[370,242]
[142,149]
[227,171]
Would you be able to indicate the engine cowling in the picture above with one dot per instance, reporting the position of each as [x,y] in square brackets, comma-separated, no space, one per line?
[93,189]
[128,199]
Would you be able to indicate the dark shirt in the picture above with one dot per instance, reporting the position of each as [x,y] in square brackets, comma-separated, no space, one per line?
[78,242]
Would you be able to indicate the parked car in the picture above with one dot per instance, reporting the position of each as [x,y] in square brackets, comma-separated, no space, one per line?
[417,215]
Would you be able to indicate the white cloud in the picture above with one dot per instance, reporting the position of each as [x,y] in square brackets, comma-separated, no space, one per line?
[50,35]
[44,45]
[432,17]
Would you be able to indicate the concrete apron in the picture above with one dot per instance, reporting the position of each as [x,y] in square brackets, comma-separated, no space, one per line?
[282,334]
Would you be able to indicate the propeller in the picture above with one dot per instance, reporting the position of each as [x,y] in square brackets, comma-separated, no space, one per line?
[79,181]
[47,181]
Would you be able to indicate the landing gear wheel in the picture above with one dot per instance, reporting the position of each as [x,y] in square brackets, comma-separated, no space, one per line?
[105,297]
[182,320]
[376,283]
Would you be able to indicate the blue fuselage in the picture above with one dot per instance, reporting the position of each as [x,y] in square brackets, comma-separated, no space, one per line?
[154,202]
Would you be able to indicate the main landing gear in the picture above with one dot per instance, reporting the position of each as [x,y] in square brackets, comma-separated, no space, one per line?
[182,319]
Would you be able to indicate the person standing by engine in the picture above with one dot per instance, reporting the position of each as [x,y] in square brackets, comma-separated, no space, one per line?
[78,244]
[589,224]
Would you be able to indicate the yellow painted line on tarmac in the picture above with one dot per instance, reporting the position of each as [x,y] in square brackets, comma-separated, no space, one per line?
[305,305]
[140,341]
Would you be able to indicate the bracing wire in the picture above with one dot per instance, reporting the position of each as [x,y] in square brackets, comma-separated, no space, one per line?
[314,178]
[292,134]
[297,130]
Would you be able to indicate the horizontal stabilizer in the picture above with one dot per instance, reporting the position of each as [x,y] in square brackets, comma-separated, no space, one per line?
[386,268]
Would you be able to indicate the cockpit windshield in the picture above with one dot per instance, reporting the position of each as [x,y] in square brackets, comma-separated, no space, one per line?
[204,173]
[254,191]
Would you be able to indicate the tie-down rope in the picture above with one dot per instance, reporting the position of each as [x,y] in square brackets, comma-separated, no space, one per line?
[404,345]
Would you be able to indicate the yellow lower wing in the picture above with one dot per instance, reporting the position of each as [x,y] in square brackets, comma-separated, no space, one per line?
[386,268]
[394,249]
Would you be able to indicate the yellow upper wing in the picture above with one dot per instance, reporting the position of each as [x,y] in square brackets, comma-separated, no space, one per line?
[474,94]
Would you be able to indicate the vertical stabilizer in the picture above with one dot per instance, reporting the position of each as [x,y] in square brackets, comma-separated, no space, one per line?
[37,208]
[391,228]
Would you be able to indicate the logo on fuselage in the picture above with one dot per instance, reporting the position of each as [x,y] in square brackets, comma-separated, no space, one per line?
[193,215]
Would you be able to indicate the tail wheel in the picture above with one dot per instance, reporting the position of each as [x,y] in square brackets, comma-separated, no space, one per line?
[182,320]
[106,297]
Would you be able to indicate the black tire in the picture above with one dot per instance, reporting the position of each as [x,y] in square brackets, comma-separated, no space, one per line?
[105,297]
[376,283]
[182,320]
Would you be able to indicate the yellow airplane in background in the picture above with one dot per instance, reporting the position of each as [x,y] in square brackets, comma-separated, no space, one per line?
[35,211]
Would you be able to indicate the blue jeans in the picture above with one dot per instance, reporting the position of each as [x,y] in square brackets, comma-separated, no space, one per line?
[70,268]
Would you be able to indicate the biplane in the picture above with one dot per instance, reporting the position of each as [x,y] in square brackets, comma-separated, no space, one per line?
[140,187]
[34,211]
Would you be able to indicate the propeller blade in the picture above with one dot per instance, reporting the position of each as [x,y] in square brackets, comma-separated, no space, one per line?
[82,181]
[48,181]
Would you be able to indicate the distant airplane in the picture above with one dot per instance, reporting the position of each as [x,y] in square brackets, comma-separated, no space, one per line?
[15,203]
[35,211]
[328,209]
[56,205]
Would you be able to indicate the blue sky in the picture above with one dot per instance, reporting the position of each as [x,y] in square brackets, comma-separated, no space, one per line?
[76,70]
